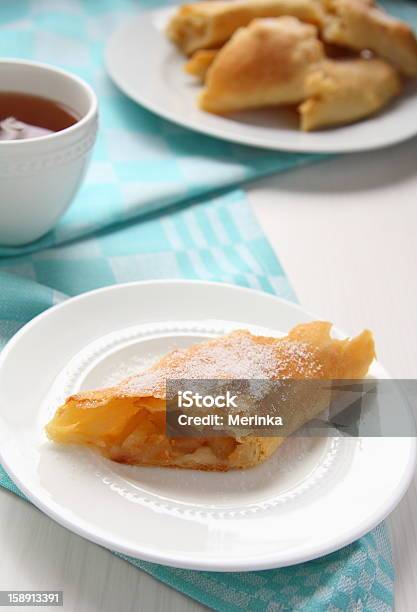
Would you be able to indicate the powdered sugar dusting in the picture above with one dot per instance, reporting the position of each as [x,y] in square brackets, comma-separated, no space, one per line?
[238,356]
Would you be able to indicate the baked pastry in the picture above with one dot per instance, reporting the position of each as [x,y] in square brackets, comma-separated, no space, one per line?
[345,91]
[361,24]
[126,423]
[264,64]
[207,25]
[200,62]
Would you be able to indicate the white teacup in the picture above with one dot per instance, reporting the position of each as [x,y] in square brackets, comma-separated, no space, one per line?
[40,176]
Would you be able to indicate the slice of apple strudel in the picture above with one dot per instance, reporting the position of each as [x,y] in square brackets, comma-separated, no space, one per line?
[207,25]
[265,64]
[346,91]
[362,24]
[126,423]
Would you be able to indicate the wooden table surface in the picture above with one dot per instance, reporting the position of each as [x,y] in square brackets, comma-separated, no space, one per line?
[345,232]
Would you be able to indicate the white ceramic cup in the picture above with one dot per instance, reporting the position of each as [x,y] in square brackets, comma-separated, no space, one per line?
[39,177]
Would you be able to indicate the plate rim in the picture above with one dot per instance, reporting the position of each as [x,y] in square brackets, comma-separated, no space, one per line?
[214,132]
[250,563]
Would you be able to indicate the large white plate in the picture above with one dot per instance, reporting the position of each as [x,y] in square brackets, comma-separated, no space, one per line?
[148,69]
[312,497]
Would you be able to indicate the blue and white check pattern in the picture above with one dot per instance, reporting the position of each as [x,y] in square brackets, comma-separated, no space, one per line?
[155,205]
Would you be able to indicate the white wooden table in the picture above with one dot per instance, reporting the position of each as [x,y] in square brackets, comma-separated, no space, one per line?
[346,233]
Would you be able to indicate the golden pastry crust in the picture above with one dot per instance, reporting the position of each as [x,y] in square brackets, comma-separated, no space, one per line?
[205,25]
[200,62]
[346,91]
[262,65]
[126,423]
[361,24]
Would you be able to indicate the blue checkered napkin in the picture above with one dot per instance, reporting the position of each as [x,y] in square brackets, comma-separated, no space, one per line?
[214,240]
[217,239]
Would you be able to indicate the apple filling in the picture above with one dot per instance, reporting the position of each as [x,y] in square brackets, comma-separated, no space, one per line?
[131,431]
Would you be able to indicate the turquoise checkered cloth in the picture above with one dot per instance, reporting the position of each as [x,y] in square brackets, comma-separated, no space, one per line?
[159,202]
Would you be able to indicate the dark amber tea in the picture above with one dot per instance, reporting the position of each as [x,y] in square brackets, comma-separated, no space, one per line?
[25,116]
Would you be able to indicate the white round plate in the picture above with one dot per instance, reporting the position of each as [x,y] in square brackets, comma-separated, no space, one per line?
[149,69]
[312,497]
